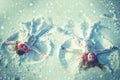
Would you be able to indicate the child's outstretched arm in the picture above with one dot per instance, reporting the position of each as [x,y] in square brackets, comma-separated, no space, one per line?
[106,50]
[74,51]
[7,42]
[38,52]
[31,40]
[101,66]
[10,42]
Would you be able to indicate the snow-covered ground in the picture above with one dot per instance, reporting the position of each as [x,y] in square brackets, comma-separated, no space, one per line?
[65,23]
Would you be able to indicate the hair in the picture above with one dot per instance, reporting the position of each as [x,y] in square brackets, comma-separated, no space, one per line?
[20,52]
[86,64]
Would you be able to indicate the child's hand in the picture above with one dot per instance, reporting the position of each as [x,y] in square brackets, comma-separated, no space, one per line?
[7,42]
[114,47]
[42,55]
[104,68]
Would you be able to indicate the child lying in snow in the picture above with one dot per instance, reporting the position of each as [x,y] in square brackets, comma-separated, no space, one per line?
[22,48]
[27,45]
[90,58]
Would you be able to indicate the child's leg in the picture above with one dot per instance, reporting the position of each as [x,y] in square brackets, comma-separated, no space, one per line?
[34,25]
[42,32]
[32,39]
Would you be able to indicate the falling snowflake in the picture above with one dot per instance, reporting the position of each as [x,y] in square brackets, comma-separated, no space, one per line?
[94,11]
[2,27]
[31,4]
[91,4]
